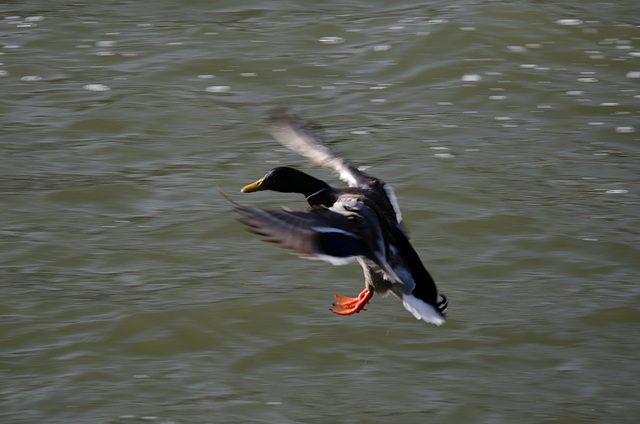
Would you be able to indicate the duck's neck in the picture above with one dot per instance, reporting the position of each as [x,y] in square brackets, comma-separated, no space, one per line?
[307,185]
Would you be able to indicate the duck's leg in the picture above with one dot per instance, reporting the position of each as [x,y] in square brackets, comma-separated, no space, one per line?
[352,305]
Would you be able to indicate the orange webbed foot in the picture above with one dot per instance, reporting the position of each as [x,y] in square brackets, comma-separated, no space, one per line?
[352,305]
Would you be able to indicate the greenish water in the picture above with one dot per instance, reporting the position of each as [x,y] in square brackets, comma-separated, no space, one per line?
[509,130]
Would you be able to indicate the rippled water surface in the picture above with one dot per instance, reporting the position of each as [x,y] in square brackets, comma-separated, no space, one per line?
[510,131]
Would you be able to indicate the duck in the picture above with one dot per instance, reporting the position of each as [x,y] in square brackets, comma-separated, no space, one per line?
[361,222]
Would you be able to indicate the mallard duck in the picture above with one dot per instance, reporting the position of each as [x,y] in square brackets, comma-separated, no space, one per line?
[361,222]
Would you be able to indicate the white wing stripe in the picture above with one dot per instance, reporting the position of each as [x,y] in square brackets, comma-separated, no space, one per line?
[334,230]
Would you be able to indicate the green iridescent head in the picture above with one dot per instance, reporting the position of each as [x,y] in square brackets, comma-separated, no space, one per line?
[286,180]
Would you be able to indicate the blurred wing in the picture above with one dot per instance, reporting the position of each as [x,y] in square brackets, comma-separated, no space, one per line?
[316,233]
[295,133]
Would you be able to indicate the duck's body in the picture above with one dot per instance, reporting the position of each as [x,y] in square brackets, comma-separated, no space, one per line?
[358,222]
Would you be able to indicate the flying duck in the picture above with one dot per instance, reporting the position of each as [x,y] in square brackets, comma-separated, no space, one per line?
[361,222]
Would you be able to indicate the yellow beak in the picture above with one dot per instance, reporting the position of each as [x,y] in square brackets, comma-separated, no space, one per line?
[257,186]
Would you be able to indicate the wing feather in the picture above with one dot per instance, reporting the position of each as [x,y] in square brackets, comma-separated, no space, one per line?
[296,134]
[317,233]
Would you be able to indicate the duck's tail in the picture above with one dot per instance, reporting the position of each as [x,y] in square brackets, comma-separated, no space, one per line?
[423,310]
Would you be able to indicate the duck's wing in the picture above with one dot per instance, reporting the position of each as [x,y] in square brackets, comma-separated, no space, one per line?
[293,132]
[317,233]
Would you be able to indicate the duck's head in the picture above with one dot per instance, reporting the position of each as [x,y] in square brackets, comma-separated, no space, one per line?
[287,180]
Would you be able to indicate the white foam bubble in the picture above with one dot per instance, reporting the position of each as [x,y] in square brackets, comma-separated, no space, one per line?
[443,155]
[617,191]
[569,22]
[217,89]
[517,49]
[471,77]
[105,43]
[96,87]
[331,40]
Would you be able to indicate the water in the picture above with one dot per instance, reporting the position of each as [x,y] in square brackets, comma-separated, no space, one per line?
[130,293]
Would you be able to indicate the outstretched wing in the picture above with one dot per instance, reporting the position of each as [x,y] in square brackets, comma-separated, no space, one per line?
[296,134]
[317,233]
